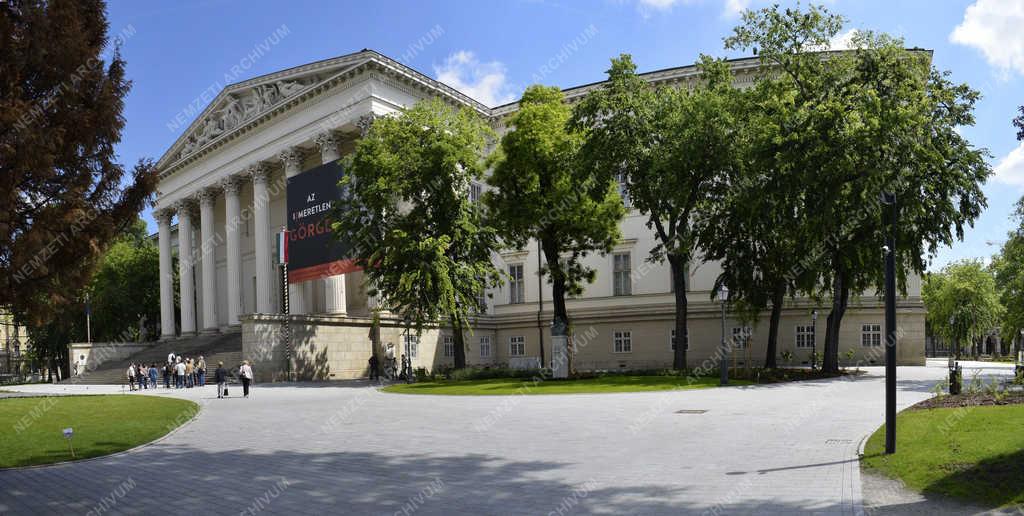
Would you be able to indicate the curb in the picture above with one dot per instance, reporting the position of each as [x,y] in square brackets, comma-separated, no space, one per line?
[115,454]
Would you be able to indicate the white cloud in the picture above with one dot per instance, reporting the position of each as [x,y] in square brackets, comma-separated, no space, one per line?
[843,40]
[1010,169]
[485,82]
[995,28]
[736,7]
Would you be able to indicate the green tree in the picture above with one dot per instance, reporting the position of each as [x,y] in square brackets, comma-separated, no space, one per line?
[962,302]
[123,294]
[677,151]
[63,197]
[873,119]
[125,290]
[542,193]
[424,245]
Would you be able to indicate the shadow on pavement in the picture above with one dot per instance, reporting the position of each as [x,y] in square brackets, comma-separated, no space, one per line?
[368,482]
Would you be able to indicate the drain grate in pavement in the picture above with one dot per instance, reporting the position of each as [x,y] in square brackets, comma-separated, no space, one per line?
[690,411]
[838,441]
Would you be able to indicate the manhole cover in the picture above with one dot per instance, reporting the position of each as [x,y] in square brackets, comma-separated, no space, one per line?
[838,441]
[690,411]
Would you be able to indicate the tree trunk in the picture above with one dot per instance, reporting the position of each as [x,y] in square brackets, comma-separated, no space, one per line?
[778,297]
[840,300]
[557,283]
[678,266]
[560,316]
[459,343]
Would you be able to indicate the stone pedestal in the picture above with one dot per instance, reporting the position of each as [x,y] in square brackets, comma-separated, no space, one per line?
[559,356]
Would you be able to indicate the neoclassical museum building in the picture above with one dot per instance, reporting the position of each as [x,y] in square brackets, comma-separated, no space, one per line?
[221,202]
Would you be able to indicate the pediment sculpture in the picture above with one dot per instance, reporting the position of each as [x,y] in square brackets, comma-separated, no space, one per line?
[237,108]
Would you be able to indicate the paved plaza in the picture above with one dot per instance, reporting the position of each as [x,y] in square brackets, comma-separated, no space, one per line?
[311,449]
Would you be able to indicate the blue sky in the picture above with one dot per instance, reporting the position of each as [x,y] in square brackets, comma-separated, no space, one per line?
[178,51]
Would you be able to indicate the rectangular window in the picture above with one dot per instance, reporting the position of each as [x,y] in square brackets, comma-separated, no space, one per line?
[871,335]
[623,183]
[517,346]
[481,301]
[741,337]
[672,340]
[622,342]
[485,346]
[476,191]
[516,284]
[621,275]
[804,336]
[413,341]
[449,345]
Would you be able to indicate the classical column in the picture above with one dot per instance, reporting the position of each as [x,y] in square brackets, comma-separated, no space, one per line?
[232,218]
[292,159]
[261,221]
[207,246]
[187,286]
[334,286]
[163,220]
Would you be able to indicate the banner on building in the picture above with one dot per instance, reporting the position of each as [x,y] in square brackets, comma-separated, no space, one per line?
[312,250]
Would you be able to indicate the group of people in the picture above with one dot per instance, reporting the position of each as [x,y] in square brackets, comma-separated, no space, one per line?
[187,373]
[142,377]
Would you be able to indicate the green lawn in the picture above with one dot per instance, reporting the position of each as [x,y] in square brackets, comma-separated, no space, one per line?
[31,428]
[603,384]
[975,453]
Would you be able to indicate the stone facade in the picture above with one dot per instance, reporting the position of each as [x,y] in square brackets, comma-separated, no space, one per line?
[224,179]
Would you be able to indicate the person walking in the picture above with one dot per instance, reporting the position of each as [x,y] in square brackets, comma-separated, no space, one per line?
[168,372]
[152,375]
[221,377]
[201,371]
[131,377]
[179,376]
[246,373]
[170,358]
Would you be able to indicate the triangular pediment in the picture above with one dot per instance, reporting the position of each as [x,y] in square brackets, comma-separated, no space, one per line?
[238,104]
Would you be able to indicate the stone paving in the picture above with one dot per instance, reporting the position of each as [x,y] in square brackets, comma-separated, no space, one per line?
[350,449]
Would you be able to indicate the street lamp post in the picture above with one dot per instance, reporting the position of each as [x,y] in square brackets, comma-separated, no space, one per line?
[723,365]
[407,358]
[814,340]
[1019,356]
[954,356]
[889,199]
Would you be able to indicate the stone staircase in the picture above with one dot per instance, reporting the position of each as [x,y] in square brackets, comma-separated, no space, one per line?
[214,348]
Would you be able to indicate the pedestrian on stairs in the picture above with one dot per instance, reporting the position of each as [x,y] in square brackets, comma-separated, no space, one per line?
[168,372]
[221,377]
[152,375]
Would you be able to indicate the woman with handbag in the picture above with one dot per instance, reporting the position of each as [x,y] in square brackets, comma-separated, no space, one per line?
[246,373]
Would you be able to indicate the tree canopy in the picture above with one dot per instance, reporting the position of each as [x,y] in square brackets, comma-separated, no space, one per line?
[676,151]
[63,196]
[878,118]
[962,301]
[424,245]
[541,192]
